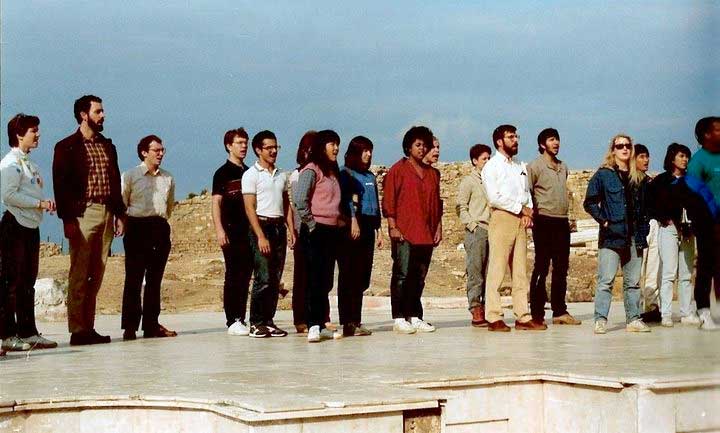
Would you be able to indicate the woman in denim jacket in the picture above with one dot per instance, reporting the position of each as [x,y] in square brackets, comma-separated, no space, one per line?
[615,198]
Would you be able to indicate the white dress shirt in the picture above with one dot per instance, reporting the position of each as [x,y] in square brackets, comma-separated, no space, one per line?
[21,188]
[506,184]
[269,189]
[148,194]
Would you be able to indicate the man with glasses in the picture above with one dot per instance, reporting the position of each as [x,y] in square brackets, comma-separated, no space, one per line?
[506,184]
[264,188]
[86,179]
[148,191]
[231,230]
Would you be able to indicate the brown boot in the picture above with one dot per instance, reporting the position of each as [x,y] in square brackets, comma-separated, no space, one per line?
[566,319]
[478,316]
[530,325]
[498,326]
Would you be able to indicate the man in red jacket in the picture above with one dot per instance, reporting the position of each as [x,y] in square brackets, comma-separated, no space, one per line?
[411,203]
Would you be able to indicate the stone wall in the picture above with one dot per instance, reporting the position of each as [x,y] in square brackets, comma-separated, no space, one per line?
[193,228]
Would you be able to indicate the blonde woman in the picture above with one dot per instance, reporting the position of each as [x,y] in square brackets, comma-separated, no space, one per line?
[616,200]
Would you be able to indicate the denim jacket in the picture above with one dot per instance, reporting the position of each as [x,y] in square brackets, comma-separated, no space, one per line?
[605,202]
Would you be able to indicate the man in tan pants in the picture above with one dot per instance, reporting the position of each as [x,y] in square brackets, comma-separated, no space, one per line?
[86,180]
[508,193]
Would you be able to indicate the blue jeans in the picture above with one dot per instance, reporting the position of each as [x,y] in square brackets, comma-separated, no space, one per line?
[608,261]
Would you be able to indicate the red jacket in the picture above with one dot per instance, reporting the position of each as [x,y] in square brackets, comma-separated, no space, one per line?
[413,201]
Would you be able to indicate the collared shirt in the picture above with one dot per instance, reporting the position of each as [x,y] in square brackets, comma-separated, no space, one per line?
[506,184]
[269,188]
[21,188]
[98,186]
[472,204]
[414,201]
[548,186]
[148,194]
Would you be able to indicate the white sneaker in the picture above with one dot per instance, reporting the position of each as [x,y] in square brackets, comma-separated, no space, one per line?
[637,325]
[690,319]
[706,321]
[327,334]
[600,326]
[313,334]
[666,322]
[403,327]
[238,328]
[421,325]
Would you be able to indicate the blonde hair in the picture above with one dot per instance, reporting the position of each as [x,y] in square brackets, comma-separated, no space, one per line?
[636,176]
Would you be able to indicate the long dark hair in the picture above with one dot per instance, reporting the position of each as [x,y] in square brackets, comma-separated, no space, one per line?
[318,155]
[353,154]
[303,152]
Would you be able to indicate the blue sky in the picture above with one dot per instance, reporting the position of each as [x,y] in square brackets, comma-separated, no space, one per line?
[187,71]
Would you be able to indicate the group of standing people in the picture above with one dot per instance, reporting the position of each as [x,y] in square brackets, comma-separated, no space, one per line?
[329,214]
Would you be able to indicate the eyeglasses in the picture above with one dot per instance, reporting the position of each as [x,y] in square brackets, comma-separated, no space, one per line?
[622,146]
[161,150]
[271,147]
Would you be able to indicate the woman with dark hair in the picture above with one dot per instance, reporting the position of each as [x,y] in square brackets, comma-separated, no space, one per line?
[21,190]
[612,200]
[299,262]
[676,243]
[317,200]
[360,205]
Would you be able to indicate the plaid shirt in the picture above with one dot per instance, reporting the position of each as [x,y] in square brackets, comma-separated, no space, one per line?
[98,186]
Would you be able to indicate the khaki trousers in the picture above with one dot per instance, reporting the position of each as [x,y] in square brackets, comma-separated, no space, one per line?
[88,254]
[508,245]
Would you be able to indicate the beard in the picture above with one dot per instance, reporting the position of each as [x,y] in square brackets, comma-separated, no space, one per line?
[510,150]
[96,127]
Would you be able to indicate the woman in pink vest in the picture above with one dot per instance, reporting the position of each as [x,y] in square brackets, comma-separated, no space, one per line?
[317,200]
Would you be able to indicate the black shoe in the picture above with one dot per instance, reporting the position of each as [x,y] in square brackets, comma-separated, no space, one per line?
[275,331]
[96,338]
[259,331]
[129,335]
[88,337]
[652,316]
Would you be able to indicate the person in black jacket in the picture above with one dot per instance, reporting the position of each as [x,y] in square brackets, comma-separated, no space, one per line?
[676,243]
[86,180]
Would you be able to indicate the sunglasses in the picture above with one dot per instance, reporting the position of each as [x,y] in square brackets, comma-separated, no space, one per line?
[623,146]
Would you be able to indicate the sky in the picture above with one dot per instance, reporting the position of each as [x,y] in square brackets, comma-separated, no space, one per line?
[188,71]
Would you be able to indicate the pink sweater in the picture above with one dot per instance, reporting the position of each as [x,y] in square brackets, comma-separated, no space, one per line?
[325,201]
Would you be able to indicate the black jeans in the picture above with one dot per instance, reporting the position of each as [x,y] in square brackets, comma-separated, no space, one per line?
[320,246]
[708,264]
[410,267]
[552,244]
[147,246]
[19,256]
[355,260]
[238,270]
[268,272]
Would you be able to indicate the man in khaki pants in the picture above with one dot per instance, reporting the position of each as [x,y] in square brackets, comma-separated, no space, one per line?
[506,184]
[86,180]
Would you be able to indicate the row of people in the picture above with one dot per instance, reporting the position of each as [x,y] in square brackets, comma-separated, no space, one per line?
[333,215]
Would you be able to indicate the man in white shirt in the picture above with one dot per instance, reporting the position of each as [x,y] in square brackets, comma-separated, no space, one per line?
[149,194]
[265,192]
[509,196]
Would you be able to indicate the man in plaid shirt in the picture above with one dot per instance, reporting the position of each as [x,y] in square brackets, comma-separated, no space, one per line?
[86,180]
